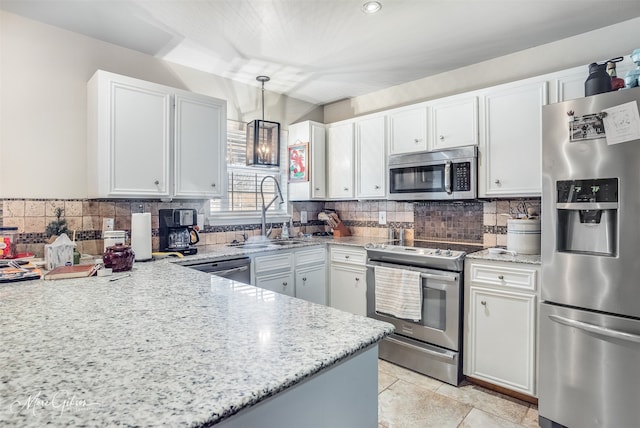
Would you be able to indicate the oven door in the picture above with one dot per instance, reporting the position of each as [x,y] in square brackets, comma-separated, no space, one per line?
[441,306]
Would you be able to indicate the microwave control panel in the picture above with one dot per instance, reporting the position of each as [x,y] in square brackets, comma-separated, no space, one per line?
[462,177]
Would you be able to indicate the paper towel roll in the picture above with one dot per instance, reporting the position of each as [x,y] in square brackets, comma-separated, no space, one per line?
[141,235]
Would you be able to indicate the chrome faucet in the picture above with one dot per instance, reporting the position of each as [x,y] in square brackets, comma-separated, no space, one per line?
[266,233]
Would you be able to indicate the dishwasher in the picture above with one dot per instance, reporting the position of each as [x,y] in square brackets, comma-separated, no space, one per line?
[237,269]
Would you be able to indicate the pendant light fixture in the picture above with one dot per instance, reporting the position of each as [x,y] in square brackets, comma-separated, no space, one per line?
[263,138]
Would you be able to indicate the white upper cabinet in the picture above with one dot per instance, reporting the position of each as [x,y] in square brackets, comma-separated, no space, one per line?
[340,160]
[455,123]
[129,137]
[510,157]
[371,157]
[408,130]
[151,141]
[316,185]
[200,134]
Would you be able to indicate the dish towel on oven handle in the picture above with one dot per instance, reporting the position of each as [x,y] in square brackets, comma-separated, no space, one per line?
[398,292]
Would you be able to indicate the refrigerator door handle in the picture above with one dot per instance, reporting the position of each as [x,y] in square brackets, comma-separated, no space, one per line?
[603,331]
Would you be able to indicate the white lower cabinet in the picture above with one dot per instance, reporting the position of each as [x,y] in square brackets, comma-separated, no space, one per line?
[348,281]
[311,284]
[282,283]
[500,324]
[297,273]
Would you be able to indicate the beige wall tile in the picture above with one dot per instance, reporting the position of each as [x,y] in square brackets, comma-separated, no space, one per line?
[51,206]
[73,208]
[13,209]
[501,240]
[90,208]
[34,225]
[489,219]
[108,209]
[489,240]
[91,222]
[123,209]
[34,208]
[74,223]
[122,223]
[14,222]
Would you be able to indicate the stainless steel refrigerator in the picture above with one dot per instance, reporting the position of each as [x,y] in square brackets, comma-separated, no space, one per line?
[589,353]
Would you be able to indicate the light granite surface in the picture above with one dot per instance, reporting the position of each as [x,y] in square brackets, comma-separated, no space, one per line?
[165,346]
[533,259]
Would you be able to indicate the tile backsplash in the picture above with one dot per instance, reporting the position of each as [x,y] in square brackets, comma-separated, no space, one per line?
[478,223]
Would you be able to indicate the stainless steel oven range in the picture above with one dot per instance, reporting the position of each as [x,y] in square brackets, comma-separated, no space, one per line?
[431,345]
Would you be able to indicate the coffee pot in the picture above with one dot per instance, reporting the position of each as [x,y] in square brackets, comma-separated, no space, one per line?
[177,231]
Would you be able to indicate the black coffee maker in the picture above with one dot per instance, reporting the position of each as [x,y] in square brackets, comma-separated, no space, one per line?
[176,230]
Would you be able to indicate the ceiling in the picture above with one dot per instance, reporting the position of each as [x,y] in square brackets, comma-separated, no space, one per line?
[326,50]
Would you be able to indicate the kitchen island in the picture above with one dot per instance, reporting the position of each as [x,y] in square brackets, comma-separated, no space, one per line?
[171,346]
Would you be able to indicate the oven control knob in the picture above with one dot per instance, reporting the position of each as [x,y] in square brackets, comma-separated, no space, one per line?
[437,252]
[447,253]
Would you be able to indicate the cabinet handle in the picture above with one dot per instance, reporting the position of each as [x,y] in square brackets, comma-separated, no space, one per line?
[357,279]
[441,138]
[377,187]
[213,184]
[416,140]
[500,277]
[156,182]
[346,189]
[483,303]
[317,189]
[497,182]
[284,283]
[304,278]
[346,257]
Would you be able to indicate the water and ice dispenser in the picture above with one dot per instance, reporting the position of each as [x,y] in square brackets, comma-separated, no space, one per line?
[587,215]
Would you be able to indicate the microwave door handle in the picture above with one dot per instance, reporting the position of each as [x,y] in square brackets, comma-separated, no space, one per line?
[447,177]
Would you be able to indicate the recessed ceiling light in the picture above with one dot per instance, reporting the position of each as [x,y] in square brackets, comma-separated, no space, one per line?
[371,7]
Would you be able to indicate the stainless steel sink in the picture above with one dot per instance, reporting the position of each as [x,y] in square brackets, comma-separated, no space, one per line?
[285,242]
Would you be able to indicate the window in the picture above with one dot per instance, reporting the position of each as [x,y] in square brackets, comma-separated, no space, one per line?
[242,202]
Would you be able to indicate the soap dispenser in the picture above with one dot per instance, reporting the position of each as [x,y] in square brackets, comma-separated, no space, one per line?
[285,231]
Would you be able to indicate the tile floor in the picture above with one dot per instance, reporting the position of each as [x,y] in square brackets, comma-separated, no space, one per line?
[407,399]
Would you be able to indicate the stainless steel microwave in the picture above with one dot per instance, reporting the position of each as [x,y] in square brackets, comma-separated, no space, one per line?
[440,175]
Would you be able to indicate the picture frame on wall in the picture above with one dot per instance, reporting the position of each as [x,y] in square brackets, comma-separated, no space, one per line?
[299,162]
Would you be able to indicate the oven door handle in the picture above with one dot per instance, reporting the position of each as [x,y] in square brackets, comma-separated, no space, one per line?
[446,356]
[447,278]
[230,271]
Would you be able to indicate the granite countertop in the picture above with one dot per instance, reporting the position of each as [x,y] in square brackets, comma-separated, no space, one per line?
[533,259]
[166,345]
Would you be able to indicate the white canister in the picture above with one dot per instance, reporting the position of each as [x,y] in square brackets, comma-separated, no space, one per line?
[523,236]
[113,237]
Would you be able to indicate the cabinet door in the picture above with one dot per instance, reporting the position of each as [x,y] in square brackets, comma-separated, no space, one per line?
[371,158]
[455,123]
[502,338]
[200,135]
[408,130]
[316,186]
[511,163]
[282,283]
[349,289]
[340,161]
[129,138]
[311,284]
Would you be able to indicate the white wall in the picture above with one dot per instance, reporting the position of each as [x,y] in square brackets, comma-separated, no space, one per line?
[595,46]
[43,76]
